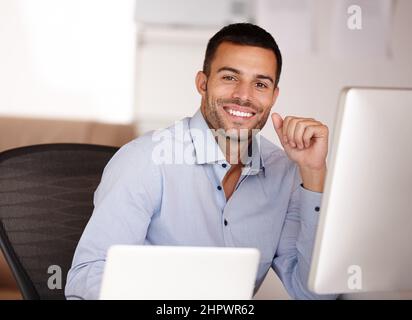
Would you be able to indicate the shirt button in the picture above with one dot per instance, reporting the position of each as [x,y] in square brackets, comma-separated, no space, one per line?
[225,222]
[317,209]
[224,165]
[219,188]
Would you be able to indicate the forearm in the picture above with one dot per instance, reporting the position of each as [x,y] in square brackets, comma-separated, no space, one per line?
[294,254]
[84,281]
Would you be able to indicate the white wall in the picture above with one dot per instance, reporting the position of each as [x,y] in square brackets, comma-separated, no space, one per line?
[167,61]
[68,59]
[310,84]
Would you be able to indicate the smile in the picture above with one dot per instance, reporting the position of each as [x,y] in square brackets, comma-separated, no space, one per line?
[239,114]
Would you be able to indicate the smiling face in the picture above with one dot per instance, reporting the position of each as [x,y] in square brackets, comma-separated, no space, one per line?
[240,89]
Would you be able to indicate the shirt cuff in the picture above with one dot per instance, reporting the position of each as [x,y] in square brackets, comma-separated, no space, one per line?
[310,206]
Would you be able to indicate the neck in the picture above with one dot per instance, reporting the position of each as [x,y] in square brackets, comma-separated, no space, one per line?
[235,151]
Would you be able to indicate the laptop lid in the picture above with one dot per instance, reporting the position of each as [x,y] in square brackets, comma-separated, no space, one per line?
[179,273]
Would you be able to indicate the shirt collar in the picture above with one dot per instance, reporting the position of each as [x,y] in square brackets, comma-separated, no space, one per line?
[206,148]
[208,151]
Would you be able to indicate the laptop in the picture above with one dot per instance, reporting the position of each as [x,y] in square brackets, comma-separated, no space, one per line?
[135,272]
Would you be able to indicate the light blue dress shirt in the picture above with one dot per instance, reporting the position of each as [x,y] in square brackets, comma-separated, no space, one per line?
[141,200]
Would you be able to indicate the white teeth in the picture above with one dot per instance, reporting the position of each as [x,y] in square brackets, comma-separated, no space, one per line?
[239,113]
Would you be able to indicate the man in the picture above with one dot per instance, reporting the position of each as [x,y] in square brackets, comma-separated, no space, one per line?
[249,193]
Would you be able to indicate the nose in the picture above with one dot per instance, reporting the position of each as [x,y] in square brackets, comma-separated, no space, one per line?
[242,91]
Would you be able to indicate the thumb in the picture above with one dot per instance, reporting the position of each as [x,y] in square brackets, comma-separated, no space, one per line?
[278,124]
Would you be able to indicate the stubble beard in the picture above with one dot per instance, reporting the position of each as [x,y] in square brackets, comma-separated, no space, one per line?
[215,119]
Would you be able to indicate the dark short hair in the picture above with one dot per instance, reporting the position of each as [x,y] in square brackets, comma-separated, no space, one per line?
[244,34]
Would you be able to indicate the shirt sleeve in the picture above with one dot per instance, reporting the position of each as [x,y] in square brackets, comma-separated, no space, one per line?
[124,202]
[293,256]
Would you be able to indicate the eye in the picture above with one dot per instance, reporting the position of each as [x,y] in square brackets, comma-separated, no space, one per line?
[261,85]
[229,78]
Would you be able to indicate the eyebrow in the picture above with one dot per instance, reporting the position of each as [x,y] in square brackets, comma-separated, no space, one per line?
[261,76]
[258,76]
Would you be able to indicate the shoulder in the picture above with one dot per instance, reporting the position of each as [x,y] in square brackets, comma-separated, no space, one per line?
[143,151]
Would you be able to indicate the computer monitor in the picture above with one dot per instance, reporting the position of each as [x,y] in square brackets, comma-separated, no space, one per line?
[145,272]
[364,238]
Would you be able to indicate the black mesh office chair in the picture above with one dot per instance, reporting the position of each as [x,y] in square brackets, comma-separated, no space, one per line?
[46,199]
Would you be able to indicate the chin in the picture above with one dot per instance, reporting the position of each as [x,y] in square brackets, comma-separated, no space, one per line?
[238,133]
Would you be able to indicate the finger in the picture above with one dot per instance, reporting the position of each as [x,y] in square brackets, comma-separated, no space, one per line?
[291,131]
[300,129]
[314,131]
[278,125]
[286,122]
[307,135]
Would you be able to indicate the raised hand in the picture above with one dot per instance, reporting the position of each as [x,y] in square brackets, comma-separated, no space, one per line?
[305,141]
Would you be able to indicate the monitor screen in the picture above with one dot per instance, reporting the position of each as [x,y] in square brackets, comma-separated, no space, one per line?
[364,237]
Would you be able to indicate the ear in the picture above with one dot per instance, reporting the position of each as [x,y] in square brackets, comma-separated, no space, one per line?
[201,83]
[275,95]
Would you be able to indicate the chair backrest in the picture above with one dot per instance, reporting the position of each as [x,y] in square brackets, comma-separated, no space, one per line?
[46,199]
